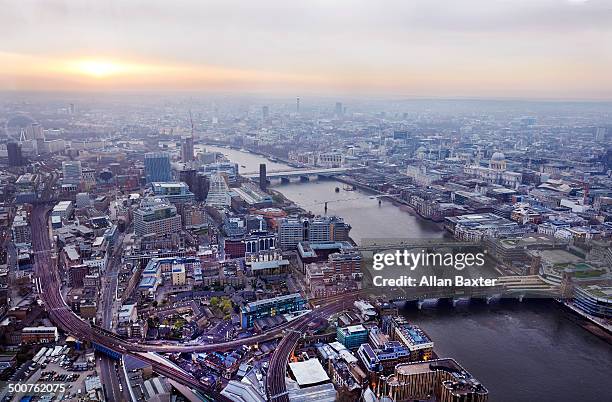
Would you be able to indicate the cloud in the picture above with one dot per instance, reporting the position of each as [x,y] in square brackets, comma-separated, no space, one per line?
[335,42]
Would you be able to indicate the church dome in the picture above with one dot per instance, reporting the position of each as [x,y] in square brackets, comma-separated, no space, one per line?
[498,156]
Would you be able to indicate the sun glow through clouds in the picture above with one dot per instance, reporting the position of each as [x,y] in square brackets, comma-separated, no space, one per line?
[99,68]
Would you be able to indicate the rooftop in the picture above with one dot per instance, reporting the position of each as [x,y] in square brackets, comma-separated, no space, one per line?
[309,372]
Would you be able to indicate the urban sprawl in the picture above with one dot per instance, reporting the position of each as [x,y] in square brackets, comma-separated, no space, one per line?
[140,263]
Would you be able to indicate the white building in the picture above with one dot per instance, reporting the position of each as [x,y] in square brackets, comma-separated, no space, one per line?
[128,313]
[63,209]
[218,193]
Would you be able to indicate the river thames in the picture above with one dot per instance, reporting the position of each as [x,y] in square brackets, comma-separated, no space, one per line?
[532,350]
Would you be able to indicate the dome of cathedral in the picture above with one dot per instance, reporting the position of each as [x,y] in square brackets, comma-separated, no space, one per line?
[498,156]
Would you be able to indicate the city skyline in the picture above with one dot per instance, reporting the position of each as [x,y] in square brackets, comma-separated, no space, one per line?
[551,49]
[329,201]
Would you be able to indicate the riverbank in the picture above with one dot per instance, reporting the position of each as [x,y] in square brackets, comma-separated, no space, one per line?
[534,350]
[589,323]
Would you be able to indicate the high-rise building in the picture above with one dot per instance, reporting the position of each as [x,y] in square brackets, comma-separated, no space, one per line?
[218,193]
[35,131]
[339,110]
[297,105]
[187,149]
[14,154]
[263,180]
[156,216]
[292,230]
[157,167]
[265,112]
[72,172]
[21,231]
[188,176]
[601,133]
[201,187]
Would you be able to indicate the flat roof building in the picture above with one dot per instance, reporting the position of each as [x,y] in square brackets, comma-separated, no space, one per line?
[270,307]
[156,216]
[352,336]
[175,192]
[63,209]
[308,373]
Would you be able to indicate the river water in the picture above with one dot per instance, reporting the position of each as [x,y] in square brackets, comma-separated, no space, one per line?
[530,351]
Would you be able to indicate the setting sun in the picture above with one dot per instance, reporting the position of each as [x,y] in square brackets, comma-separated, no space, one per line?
[99,68]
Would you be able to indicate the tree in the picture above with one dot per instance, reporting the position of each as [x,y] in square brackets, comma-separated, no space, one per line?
[226,306]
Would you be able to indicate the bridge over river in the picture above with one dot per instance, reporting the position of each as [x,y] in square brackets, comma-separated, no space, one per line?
[301,174]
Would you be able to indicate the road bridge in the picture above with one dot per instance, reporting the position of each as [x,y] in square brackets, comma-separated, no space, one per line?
[303,174]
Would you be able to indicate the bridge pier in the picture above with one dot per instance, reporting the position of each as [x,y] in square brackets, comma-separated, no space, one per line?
[478,299]
[410,304]
[446,301]
[493,298]
[458,300]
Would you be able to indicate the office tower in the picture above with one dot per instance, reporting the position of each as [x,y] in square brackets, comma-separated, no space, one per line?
[339,110]
[157,167]
[21,230]
[607,159]
[14,154]
[291,231]
[188,176]
[34,132]
[201,186]
[218,193]
[263,180]
[156,216]
[187,149]
[297,105]
[72,172]
[71,108]
[601,133]
[265,112]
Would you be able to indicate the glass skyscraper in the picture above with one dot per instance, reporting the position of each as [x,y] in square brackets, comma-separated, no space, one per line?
[157,167]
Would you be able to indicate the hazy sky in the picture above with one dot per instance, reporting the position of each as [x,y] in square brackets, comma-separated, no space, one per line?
[475,48]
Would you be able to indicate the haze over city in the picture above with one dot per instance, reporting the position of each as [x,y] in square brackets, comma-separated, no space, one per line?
[554,49]
[289,201]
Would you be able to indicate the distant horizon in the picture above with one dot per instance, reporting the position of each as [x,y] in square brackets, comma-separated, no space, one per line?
[521,49]
[315,96]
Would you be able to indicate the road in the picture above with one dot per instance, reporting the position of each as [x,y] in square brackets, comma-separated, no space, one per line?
[49,284]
